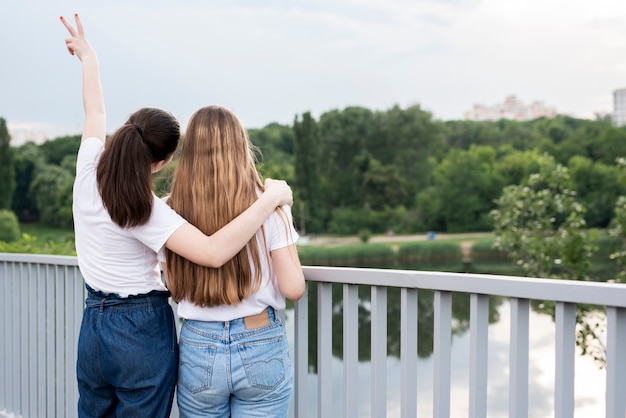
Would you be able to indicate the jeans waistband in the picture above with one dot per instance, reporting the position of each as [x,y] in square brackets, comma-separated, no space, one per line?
[98,299]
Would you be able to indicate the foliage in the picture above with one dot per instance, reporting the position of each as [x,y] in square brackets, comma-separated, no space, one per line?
[307,173]
[618,225]
[51,191]
[429,251]
[28,159]
[55,150]
[9,226]
[541,225]
[397,169]
[162,180]
[356,255]
[7,169]
[465,185]
[31,245]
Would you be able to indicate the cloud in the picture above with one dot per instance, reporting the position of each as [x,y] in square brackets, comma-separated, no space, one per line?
[270,61]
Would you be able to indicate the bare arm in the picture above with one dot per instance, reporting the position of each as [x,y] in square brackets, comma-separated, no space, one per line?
[93,98]
[215,250]
[288,271]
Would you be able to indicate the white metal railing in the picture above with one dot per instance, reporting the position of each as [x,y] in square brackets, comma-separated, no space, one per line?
[42,301]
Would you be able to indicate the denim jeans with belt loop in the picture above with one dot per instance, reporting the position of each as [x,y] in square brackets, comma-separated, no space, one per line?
[127,356]
[238,368]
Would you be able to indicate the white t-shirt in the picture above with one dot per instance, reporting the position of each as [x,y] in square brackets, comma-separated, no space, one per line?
[113,259]
[279,233]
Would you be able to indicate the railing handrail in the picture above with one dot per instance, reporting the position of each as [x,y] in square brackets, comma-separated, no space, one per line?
[570,291]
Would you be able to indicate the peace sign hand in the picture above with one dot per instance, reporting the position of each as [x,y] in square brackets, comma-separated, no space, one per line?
[77,44]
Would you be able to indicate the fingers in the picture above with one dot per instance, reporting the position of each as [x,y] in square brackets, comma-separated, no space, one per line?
[79,25]
[69,27]
[78,32]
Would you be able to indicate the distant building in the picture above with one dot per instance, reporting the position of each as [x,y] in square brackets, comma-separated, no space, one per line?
[512,108]
[619,107]
[23,133]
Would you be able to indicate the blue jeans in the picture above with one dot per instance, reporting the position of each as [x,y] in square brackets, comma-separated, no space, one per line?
[228,370]
[127,356]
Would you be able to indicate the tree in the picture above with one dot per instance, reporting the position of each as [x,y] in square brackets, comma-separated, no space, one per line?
[307,173]
[55,150]
[541,225]
[51,192]
[28,160]
[466,185]
[7,171]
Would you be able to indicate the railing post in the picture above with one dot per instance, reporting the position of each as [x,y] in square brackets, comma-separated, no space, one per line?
[565,321]
[324,350]
[301,355]
[408,352]
[350,349]
[479,332]
[518,359]
[615,363]
[442,349]
[379,352]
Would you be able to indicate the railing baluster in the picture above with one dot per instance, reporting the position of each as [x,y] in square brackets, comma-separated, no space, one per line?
[442,349]
[60,341]
[408,352]
[5,336]
[379,352]
[350,349]
[42,390]
[518,359]
[301,355]
[23,339]
[74,300]
[33,331]
[324,350]
[615,364]
[51,382]
[479,333]
[565,322]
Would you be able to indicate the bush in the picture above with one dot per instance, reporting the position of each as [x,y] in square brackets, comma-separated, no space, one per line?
[356,255]
[9,226]
[430,251]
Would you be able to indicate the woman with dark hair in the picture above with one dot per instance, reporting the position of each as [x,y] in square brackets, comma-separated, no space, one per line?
[234,356]
[127,349]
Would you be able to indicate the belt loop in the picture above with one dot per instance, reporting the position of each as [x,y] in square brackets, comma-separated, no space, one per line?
[102,306]
[149,299]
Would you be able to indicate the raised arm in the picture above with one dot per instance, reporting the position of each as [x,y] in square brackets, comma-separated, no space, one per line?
[93,99]
[215,250]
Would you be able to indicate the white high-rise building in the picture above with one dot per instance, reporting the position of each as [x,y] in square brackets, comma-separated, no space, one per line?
[619,107]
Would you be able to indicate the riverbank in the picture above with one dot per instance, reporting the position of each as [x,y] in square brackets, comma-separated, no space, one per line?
[330,240]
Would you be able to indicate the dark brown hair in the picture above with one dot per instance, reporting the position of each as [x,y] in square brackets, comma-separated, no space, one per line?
[124,172]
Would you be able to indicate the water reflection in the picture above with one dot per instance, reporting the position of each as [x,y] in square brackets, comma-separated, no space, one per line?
[424,326]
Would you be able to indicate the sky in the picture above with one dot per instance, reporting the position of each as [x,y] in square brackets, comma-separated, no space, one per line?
[273,60]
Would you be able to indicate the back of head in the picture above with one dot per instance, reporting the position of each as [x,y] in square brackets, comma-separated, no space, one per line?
[124,171]
[215,181]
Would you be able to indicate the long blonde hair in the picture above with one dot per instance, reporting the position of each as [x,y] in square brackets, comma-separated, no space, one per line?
[215,181]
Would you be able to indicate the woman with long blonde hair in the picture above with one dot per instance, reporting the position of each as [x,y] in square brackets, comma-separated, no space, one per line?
[234,356]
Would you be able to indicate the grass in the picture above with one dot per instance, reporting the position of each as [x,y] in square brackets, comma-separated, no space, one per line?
[43,234]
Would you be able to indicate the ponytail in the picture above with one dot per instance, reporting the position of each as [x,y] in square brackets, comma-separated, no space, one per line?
[124,172]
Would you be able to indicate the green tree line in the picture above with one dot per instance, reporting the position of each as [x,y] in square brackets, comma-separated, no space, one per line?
[358,169]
